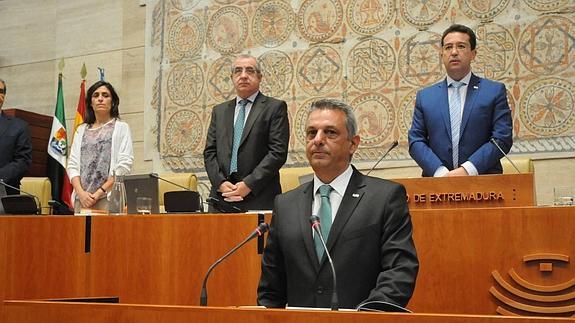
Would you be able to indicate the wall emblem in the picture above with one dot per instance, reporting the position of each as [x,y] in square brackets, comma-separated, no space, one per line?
[319,70]
[273,23]
[368,17]
[185,83]
[228,30]
[319,19]
[277,73]
[370,64]
[547,107]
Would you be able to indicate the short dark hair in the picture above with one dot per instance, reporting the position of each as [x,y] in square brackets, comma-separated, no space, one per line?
[332,104]
[3,82]
[90,117]
[461,29]
[258,64]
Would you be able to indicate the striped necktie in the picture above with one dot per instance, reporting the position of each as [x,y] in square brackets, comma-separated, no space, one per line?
[455,116]
[324,217]
[238,130]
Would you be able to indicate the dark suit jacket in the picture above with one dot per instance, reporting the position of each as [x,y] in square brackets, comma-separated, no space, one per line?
[370,243]
[262,152]
[486,115]
[15,151]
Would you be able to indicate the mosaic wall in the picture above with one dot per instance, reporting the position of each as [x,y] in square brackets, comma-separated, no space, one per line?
[373,54]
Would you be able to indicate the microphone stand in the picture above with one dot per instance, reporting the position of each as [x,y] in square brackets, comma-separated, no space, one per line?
[259,231]
[493,141]
[315,224]
[393,145]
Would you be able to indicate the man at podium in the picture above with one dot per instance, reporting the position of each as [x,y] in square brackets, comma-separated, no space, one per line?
[364,221]
[461,124]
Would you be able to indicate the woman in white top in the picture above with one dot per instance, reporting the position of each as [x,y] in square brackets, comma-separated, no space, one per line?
[102,146]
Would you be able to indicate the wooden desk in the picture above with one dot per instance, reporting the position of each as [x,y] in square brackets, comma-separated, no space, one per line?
[49,312]
[460,250]
[162,259]
[158,259]
[469,191]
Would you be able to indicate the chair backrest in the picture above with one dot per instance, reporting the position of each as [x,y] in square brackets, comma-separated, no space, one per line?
[524,164]
[290,177]
[41,187]
[188,180]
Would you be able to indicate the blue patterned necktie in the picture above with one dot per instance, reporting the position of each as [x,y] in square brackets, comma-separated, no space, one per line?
[455,116]
[324,217]
[238,130]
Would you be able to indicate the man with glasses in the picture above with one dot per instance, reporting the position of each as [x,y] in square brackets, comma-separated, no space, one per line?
[15,146]
[456,121]
[247,142]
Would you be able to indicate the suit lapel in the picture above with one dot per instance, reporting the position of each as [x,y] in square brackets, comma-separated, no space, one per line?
[353,194]
[229,123]
[304,212]
[257,107]
[444,106]
[472,93]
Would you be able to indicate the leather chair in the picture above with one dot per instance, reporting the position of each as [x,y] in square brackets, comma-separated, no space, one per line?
[524,164]
[188,180]
[41,187]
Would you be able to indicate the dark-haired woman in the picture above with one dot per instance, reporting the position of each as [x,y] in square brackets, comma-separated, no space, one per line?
[102,146]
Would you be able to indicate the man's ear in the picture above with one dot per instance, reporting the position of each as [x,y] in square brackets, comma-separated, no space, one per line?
[354,144]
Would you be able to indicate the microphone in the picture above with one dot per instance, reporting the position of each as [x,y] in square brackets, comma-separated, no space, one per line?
[315,224]
[493,141]
[24,202]
[393,145]
[259,231]
[223,206]
[58,208]
[200,205]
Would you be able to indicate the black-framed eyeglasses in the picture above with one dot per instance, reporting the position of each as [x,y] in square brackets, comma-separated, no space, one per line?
[459,46]
[2,91]
[248,70]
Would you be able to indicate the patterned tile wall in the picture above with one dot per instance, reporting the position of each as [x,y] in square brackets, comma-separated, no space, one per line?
[373,54]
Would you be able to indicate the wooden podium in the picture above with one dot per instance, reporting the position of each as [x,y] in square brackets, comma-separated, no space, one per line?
[49,312]
[468,258]
[470,191]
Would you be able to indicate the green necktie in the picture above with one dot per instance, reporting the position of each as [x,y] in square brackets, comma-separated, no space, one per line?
[238,131]
[324,217]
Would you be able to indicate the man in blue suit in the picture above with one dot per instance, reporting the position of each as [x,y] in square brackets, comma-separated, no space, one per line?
[455,119]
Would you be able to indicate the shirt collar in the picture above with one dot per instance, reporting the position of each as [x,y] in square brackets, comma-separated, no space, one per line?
[465,80]
[339,184]
[251,98]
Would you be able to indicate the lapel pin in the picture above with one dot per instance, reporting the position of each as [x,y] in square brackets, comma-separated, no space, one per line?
[475,87]
[355,195]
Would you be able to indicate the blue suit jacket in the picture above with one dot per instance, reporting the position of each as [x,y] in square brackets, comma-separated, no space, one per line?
[486,115]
